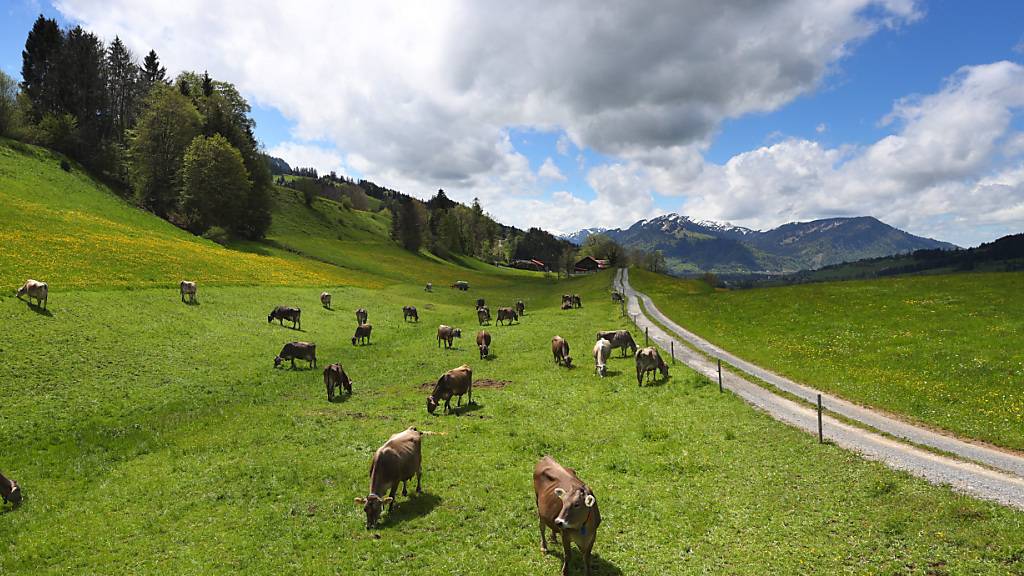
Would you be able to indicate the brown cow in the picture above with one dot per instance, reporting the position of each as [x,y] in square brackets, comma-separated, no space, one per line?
[455,382]
[9,490]
[560,350]
[446,334]
[398,460]
[647,361]
[621,339]
[566,299]
[282,313]
[520,308]
[361,316]
[40,291]
[410,312]
[362,334]
[325,299]
[568,507]
[335,377]
[576,301]
[483,315]
[292,350]
[507,314]
[483,342]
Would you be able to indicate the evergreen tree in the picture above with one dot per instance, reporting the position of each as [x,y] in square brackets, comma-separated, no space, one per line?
[8,104]
[82,91]
[123,84]
[207,84]
[39,69]
[152,71]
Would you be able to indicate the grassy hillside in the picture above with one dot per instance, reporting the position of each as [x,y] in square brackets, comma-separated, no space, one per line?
[945,350]
[154,437]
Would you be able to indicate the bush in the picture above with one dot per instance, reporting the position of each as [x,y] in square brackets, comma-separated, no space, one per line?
[65,165]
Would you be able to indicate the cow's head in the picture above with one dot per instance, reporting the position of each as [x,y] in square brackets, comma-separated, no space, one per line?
[663,368]
[277,361]
[568,361]
[270,317]
[576,508]
[484,350]
[457,333]
[602,369]
[23,290]
[431,404]
[373,505]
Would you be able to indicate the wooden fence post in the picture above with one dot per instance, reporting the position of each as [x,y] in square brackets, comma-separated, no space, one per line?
[672,344]
[646,333]
[719,374]
[821,438]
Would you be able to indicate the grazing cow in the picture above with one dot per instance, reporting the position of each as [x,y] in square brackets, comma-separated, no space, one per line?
[446,334]
[480,302]
[188,289]
[455,382]
[520,308]
[301,350]
[616,297]
[560,350]
[429,287]
[602,350]
[647,361]
[483,342]
[461,285]
[576,301]
[483,315]
[620,339]
[566,299]
[508,315]
[325,299]
[362,334]
[335,378]
[398,460]
[568,507]
[361,316]
[34,289]
[410,312]
[282,313]
[9,490]
[566,305]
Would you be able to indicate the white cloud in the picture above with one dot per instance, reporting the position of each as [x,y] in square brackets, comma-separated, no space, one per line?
[952,167]
[562,145]
[550,171]
[821,128]
[420,95]
[306,155]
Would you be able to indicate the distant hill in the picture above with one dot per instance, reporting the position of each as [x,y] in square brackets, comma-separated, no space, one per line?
[693,247]
[579,236]
[278,165]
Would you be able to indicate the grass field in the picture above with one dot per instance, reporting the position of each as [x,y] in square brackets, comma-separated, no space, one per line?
[154,437]
[945,350]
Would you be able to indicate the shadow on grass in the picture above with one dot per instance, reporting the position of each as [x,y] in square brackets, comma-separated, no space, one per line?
[491,356]
[341,398]
[657,382]
[612,373]
[416,506]
[599,566]
[465,408]
[40,310]
[191,303]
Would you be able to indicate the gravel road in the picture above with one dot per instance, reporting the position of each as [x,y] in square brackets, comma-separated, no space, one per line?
[1005,485]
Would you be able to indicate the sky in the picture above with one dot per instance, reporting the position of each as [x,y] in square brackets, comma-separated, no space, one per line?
[580,114]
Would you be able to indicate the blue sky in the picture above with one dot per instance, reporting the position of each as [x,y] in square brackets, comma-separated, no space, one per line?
[838,115]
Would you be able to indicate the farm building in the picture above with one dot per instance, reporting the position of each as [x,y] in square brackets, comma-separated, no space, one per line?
[590,264]
[532,264]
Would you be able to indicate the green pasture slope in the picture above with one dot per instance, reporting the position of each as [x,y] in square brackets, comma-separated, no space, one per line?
[152,437]
[944,350]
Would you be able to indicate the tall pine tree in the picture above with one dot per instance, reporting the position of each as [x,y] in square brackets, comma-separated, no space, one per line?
[39,70]
[123,83]
[152,71]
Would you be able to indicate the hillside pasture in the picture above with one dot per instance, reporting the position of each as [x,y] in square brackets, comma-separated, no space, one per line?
[943,350]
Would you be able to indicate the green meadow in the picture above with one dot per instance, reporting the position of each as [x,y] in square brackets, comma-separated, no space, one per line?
[155,437]
[943,350]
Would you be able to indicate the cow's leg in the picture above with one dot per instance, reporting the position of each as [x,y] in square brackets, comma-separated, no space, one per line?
[394,490]
[586,558]
[459,401]
[293,362]
[543,541]
[419,474]
[330,391]
[566,553]
[404,491]
[470,392]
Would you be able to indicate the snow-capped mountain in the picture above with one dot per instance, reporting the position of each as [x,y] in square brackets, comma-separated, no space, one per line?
[579,236]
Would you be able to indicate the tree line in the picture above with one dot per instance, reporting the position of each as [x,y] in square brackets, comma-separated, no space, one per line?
[184,148]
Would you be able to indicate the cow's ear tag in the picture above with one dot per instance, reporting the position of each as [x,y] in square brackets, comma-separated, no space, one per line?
[560,493]
[590,500]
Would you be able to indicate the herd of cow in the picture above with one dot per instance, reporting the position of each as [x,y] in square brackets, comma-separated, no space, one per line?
[565,505]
